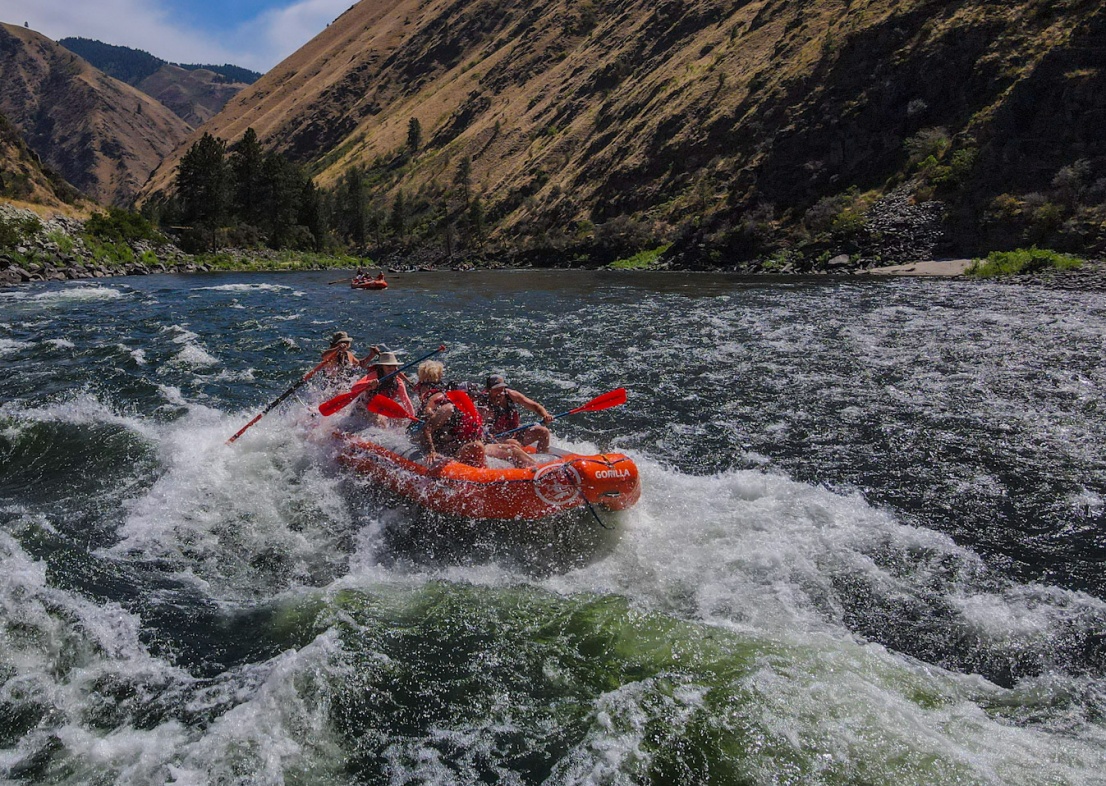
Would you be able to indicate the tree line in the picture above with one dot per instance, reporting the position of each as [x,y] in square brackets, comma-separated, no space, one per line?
[242,196]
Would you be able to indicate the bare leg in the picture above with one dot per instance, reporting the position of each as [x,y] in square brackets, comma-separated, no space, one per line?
[512,452]
[538,436]
[472,453]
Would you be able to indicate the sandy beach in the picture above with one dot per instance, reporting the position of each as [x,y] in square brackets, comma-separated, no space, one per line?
[934,267]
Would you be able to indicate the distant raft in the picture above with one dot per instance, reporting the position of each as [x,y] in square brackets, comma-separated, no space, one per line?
[560,481]
[364,282]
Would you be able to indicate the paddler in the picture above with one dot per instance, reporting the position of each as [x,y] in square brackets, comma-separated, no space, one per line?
[394,387]
[503,405]
[431,373]
[339,357]
[452,432]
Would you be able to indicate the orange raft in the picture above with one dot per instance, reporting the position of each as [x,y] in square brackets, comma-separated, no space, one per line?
[369,283]
[561,481]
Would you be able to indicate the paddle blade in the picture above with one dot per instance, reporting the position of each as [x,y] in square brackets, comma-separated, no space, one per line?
[461,400]
[614,398]
[342,400]
[382,405]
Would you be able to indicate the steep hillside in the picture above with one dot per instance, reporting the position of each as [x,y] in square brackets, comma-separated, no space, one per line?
[741,126]
[22,177]
[101,135]
[194,92]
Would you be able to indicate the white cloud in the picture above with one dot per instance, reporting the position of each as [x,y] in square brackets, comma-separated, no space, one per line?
[287,29]
[258,43]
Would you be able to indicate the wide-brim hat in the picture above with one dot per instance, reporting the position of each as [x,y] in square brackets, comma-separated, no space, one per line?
[341,337]
[386,359]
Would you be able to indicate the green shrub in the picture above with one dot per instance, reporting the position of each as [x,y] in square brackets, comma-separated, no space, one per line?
[640,260]
[929,142]
[62,240]
[1021,261]
[121,226]
[108,253]
[14,231]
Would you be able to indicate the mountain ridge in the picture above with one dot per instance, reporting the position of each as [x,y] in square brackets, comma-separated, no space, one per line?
[700,122]
[101,135]
[195,93]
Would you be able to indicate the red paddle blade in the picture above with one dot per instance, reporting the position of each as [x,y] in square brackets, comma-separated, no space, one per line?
[332,405]
[461,400]
[382,405]
[614,398]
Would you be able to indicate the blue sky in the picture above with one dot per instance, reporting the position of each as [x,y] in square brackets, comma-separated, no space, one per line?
[254,34]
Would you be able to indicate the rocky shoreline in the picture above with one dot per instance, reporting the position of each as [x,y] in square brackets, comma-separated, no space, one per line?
[57,252]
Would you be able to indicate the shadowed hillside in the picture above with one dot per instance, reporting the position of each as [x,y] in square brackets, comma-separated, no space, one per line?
[101,135]
[23,178]
[195,93]
[737,129]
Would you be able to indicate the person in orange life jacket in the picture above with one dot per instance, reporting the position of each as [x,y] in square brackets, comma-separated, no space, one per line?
[503,413]
[339,358]
[340,350]
[395,388]
[450,431]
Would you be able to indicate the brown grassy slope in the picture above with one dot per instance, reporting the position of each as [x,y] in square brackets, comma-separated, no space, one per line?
[101,135]
[195,95]
[667,110]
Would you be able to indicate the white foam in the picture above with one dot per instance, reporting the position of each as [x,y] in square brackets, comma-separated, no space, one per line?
[192,352]
[82,408]
[73,294]
[244,288]
[10,346]
[215,508]
[138,355]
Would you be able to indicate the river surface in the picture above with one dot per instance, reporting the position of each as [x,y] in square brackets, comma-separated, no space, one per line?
[869,548]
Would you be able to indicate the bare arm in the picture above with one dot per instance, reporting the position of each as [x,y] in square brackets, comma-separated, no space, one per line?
[530,404]
[366,361]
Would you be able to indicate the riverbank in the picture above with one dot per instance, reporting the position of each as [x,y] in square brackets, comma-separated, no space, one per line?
[59,248]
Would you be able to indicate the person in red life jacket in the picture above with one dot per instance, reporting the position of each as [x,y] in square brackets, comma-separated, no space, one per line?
[451,433]
[430,380]
[503,405]
[394,388]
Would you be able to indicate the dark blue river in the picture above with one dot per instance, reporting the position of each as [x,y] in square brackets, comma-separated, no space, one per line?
[869,548]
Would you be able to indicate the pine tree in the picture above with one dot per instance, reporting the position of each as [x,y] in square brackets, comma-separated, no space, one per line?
[311,213]
[246,160]
[202,184]
[414,135]
[477,225]
[398,219]
[351,207]
[463,178]
[282,185]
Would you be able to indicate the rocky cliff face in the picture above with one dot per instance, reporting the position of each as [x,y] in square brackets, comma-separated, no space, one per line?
[101,135]
[716,122]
